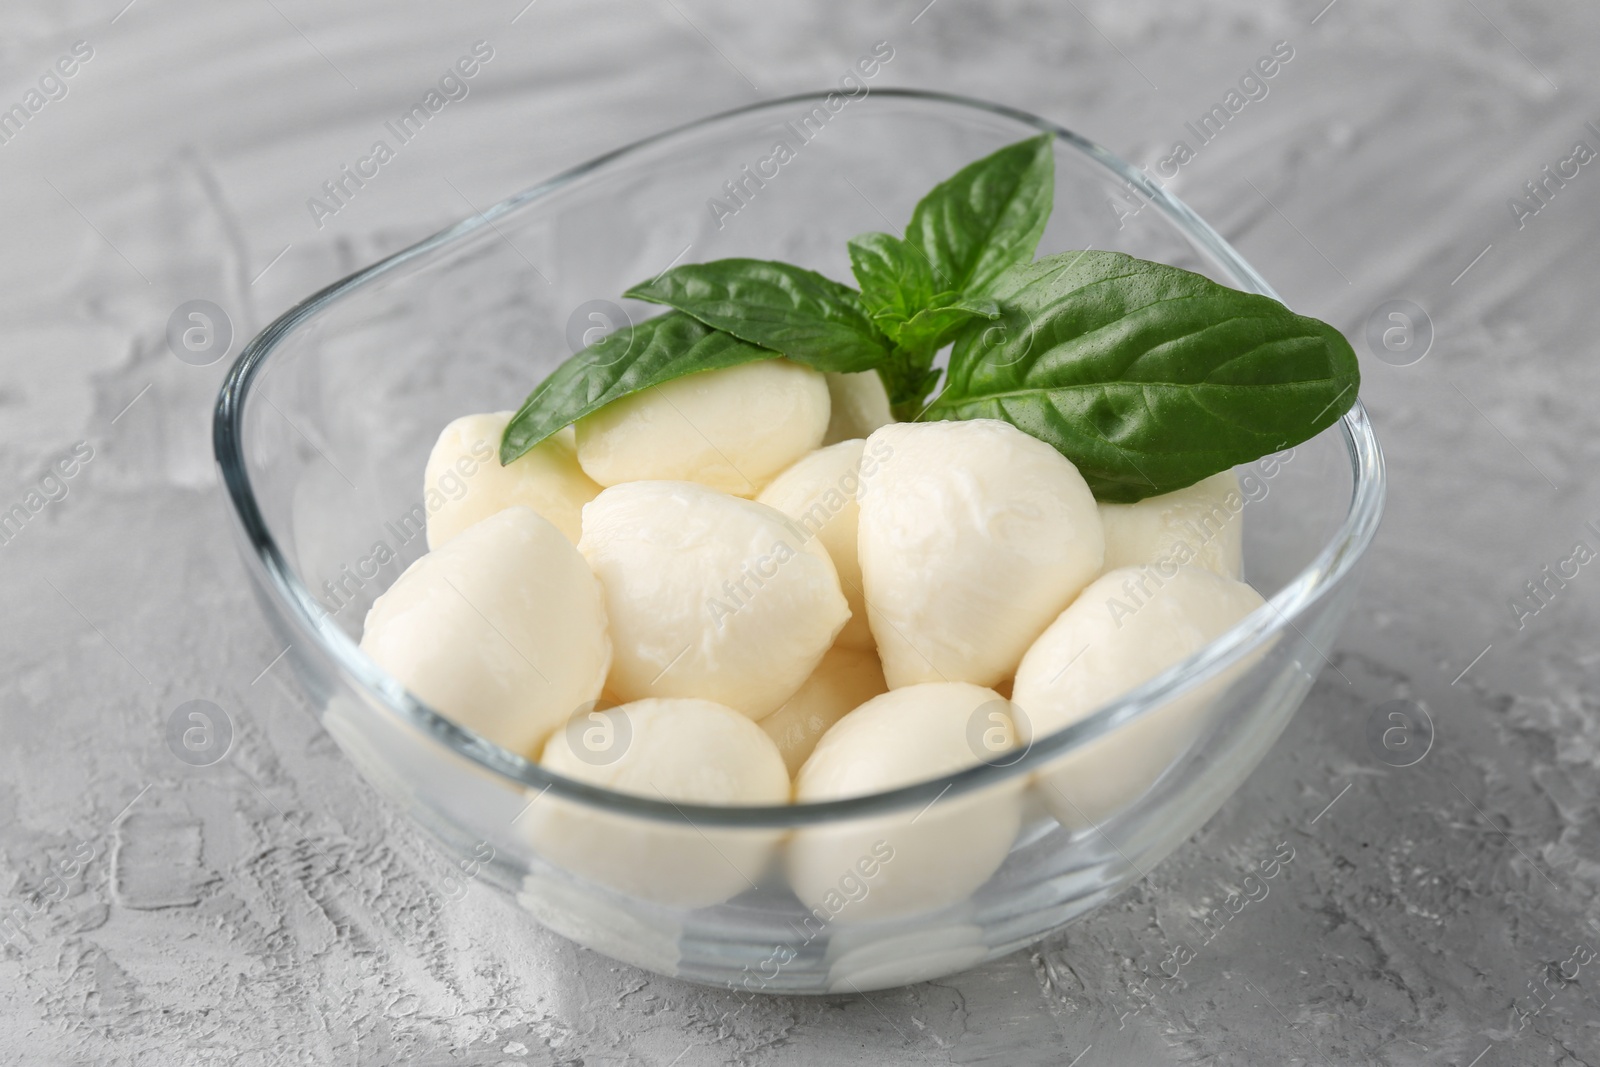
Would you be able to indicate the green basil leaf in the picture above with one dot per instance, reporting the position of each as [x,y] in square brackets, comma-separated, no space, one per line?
[895,277]
[633,358]
[937,325]
[1149,378]
[988,217]
[909,373]
[798,312]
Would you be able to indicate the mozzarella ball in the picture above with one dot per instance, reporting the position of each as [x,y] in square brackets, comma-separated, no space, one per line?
[709,595]
[465,483]
[503,629]
[916,860]
[733,429]
[860,404]
[605,922]
[972,537]
[1126,628]
[682,750]
[867,958]
[819,493]
[844,680]
[1202,525]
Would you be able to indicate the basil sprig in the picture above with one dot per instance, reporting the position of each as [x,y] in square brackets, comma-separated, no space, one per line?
[963,236]
[1149,378]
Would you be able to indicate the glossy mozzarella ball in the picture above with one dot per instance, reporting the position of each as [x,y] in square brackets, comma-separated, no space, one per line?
[733,429]
[683,750]
[860,404]
[844,680]
[819,493]
[465,482]
[503,629]
[1202,525]
[1126,628]
[916,860]
[973,536]
[709,595]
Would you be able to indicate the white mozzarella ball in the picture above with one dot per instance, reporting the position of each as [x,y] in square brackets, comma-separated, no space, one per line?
[1202,525]
[733,429]
[503,629]
[860,404]
[972,537]
[709,595]
[605,922]
[465,483]
[867,958]
[681,750]
[819,493]
[916,860]
[844,680]
[1126,628]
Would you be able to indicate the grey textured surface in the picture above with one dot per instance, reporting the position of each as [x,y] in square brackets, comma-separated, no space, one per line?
[269,910]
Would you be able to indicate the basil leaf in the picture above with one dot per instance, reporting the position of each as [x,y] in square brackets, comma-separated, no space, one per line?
[1149,378]
[798,312]
[988,217]
[909,374]
[937,325]
[895,277]
[633,358]
[897,288]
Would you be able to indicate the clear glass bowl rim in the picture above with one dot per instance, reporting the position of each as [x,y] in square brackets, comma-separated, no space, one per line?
[1330,566]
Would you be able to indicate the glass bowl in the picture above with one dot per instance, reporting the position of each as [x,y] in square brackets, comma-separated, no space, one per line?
[325,422]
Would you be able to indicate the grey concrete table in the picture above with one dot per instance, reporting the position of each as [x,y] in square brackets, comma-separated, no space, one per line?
[265,910]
